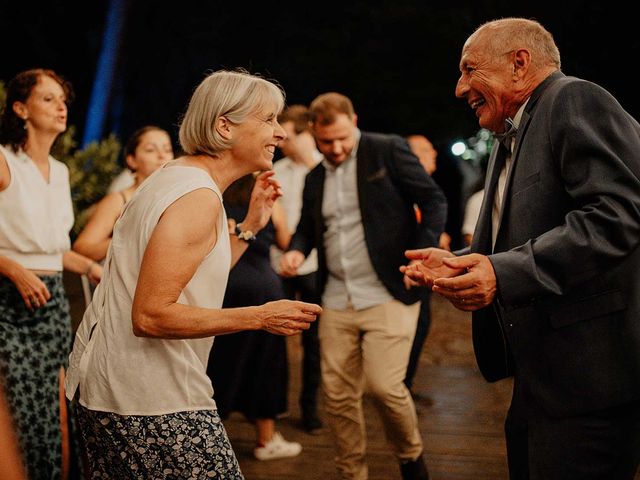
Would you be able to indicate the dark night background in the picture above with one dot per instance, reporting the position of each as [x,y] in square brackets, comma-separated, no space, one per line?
[397,61]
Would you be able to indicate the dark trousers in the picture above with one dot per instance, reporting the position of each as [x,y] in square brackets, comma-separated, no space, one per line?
[602,445]
[303,288]
[424,323]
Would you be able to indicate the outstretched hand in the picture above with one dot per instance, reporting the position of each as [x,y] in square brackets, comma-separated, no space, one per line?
[288,317]
[427,264]
[264,194]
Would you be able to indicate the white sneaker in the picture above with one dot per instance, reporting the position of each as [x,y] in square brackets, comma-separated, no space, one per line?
[277,447]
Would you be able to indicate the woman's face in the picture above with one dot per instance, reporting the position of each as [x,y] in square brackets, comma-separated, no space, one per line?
[154,150]
[45,109]
[255,140]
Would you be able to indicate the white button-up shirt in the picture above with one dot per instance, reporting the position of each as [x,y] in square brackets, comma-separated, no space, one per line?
[351,281]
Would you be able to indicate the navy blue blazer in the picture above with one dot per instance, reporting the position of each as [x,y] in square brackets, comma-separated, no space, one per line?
[567,256]
[390,182]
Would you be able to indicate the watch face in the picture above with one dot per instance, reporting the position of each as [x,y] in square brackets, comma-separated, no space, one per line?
[247,235]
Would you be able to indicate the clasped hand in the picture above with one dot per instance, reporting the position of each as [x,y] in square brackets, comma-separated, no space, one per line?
[467,281]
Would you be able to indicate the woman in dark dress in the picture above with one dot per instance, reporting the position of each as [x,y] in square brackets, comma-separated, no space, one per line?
[249,369]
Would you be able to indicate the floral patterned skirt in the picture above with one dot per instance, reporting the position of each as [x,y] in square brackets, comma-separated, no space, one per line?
[184,445]
[33,347]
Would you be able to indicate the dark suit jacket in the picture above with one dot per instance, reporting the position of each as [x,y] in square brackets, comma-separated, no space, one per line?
[566,257]
[390,181]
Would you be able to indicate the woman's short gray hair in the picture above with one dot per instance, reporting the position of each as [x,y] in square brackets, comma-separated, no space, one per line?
[233,94]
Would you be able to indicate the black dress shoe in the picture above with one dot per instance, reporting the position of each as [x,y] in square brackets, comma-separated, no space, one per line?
[312,424]
[414,470]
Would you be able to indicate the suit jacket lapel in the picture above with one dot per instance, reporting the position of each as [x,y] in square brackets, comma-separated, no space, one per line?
[482,238]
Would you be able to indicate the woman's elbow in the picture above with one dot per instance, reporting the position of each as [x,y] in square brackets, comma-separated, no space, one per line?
[144,324]
[86,250]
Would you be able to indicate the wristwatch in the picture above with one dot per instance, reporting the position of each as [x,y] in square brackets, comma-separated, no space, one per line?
[246,235]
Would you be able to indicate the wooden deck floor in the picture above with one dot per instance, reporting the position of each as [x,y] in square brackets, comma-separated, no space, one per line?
[462,429]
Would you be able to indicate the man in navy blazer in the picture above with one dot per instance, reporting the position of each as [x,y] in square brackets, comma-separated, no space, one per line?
[358,211]
[553,277]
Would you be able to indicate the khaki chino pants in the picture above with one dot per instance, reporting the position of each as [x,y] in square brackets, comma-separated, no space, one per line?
[368,349]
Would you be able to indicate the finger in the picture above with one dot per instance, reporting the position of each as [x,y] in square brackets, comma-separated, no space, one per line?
[456,283]
[305,317]
[29,302]
[264,175]
[461,305]
[274,182]
[461,262]
[311,308]
[38,299]
[465,295]
[417,254]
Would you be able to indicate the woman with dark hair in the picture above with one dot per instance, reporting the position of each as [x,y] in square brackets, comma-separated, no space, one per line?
[36,215]
[146,150]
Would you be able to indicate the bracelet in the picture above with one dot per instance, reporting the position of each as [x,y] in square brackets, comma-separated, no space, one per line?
[89,268]
[246,235]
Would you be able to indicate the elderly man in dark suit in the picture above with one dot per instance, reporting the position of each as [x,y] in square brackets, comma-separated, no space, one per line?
[553,277]
[358,210]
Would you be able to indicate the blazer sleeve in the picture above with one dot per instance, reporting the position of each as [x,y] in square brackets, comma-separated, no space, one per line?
[421,190]
[305,235]
[594,146]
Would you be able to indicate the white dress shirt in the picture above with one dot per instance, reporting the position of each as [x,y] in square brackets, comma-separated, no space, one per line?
[502,181]
[352,280]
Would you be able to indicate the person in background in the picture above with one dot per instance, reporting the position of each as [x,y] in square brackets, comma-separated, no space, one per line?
[422,148]
[145,403]
[122,181]
[553,272]
[36,216]
[358,211]
[471,213]
[301,155]
[147,149]
[249,370]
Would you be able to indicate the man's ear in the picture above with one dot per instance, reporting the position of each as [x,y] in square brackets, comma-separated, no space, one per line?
[521,63]
[224,127]
[355,120]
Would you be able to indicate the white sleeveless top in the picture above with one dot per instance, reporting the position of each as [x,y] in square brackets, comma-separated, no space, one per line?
[128,375]
[35,216]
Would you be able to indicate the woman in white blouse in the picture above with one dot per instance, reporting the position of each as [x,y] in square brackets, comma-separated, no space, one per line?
[36,215]
[138,366]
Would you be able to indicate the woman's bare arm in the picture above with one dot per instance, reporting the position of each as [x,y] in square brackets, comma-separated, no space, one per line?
[185,234]
[95,237]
